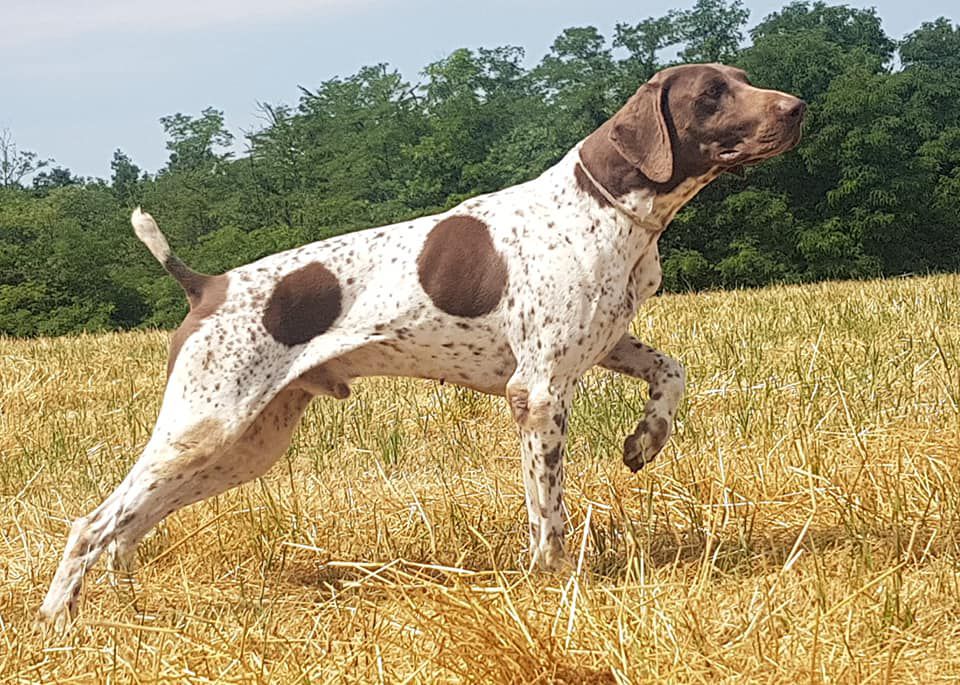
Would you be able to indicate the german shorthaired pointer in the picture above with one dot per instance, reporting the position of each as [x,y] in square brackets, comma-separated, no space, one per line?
[516,293]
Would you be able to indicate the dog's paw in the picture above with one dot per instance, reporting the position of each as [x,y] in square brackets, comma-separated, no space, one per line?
[57,622]
[640,448]
[553,559]
[550,556]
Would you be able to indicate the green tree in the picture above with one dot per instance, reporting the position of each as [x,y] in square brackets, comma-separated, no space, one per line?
[16,164]
[196,143]
[644,41]
[936,44]
[57,177]
[712,30]
[578,80]
[472,100]
[849,28]
[355,133]
[125,179]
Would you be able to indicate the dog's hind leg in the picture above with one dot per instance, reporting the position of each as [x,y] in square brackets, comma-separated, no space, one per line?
[186,467]
[249,457]
[152,488]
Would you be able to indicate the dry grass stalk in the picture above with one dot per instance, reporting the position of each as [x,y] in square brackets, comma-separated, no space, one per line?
[802,525]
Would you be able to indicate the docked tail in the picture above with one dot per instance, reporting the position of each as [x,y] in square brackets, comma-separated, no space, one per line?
[149,233]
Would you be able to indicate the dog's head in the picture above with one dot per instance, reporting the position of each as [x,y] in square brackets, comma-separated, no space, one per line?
[690,119]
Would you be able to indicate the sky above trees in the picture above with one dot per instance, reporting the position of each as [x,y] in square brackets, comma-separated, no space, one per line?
[78,80]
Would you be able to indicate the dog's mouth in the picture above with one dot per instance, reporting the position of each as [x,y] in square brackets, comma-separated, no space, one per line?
[731,156]
[735,157]
[739,153]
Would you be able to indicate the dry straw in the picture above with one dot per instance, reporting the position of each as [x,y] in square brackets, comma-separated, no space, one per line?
[801,526]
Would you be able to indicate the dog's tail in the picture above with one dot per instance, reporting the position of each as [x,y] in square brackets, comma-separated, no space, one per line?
[149,233]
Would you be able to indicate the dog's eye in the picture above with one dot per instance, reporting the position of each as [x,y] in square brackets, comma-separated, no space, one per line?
[715,90]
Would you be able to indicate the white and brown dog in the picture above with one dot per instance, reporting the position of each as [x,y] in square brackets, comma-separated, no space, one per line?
[516,293]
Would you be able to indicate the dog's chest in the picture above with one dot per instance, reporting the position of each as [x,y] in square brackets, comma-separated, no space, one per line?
[620,301]
[587,307]
[644,280]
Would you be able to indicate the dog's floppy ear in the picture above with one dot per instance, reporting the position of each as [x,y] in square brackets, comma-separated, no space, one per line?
[639,133]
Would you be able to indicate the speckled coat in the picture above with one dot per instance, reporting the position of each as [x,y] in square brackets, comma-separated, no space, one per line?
[515,293]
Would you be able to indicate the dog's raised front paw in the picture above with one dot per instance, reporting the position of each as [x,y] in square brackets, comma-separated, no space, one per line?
[640,448]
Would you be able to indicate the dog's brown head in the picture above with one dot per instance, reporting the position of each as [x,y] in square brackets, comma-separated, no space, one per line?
[690,119]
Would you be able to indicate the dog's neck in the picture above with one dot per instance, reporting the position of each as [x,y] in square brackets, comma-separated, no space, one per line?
[617,186]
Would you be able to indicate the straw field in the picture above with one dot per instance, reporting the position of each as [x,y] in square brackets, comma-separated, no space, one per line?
[802,524]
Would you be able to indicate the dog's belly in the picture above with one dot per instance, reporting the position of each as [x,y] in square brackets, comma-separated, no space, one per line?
[481,360]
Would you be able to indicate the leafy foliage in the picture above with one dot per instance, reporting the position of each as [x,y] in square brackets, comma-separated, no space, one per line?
[874,189]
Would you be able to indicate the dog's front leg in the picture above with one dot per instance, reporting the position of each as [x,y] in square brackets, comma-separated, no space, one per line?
[540,408]
[665,376]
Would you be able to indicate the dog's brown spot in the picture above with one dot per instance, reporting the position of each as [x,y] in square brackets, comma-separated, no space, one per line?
[304,304]
[203,304]
[459,268]
[552,458]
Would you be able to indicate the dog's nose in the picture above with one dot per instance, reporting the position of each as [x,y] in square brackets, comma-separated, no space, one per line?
[791,108]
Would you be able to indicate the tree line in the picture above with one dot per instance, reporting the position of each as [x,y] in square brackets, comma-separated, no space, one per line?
[874,188]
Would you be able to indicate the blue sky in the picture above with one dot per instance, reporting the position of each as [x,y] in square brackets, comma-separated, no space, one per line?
[80,78]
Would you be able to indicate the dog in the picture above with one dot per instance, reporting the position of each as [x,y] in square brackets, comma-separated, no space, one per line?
[515,293]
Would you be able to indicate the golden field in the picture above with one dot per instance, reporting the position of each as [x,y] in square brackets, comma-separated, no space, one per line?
[802,524]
